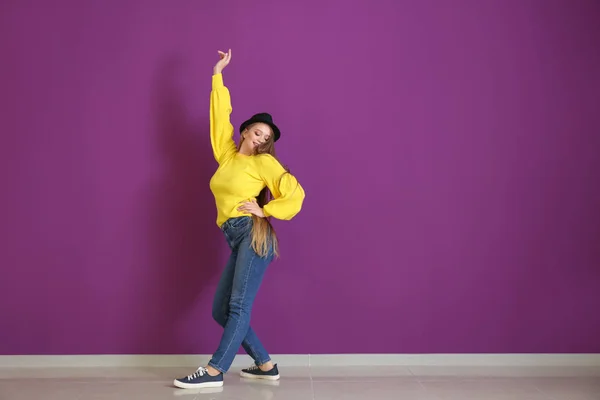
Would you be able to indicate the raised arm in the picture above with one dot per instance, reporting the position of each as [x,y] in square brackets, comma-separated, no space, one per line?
[221,129]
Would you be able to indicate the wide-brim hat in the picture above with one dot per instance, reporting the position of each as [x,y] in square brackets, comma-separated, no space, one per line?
[265,118]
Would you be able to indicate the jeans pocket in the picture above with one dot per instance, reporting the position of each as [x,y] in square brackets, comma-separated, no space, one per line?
[239,222]
[227,238]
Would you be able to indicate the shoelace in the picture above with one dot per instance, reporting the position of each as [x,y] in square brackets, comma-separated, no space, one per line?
[254,367]
[199,372]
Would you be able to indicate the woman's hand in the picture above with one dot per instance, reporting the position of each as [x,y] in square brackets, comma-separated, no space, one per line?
[252,207]
[223,62]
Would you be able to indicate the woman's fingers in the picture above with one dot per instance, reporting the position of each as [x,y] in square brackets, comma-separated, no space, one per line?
[247,206]
[226,57]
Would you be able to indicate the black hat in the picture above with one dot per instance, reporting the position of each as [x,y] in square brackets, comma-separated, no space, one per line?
[265,118]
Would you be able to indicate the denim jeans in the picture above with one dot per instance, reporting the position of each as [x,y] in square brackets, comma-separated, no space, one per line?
[236,290]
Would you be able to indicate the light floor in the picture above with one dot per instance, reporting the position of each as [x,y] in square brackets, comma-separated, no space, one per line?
[344,383]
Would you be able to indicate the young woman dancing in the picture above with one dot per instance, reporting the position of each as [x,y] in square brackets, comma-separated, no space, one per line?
[249,186]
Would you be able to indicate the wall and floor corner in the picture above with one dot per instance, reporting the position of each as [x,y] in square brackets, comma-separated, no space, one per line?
[449,154]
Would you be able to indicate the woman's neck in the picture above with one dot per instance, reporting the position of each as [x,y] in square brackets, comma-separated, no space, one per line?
[244,152]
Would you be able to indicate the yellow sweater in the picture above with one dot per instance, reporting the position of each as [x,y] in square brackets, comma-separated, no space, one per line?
[239,177]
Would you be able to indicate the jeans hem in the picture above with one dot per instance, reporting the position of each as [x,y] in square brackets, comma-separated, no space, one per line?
[263,362]
[217,368]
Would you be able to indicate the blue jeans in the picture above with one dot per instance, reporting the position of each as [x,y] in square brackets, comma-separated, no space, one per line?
[235,294]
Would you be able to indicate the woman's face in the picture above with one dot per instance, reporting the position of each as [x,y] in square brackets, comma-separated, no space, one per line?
[254,136]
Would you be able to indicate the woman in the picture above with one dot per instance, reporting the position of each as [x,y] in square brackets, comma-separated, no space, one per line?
[246,175]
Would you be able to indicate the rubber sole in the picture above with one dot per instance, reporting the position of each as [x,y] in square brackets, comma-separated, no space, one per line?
[263,377]
[183,385]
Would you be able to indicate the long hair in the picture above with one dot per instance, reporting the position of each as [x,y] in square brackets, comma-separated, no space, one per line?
[263,234]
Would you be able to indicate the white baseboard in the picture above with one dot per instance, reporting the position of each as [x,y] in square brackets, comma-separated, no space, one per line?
[456,360]
[316,360]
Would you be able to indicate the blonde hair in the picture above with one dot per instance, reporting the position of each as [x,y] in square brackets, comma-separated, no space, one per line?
[263,234]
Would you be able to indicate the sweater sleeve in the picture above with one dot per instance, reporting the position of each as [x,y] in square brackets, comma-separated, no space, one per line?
[288,194]
[221,129]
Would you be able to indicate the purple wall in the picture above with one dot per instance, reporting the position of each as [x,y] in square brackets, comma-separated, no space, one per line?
[449,155]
